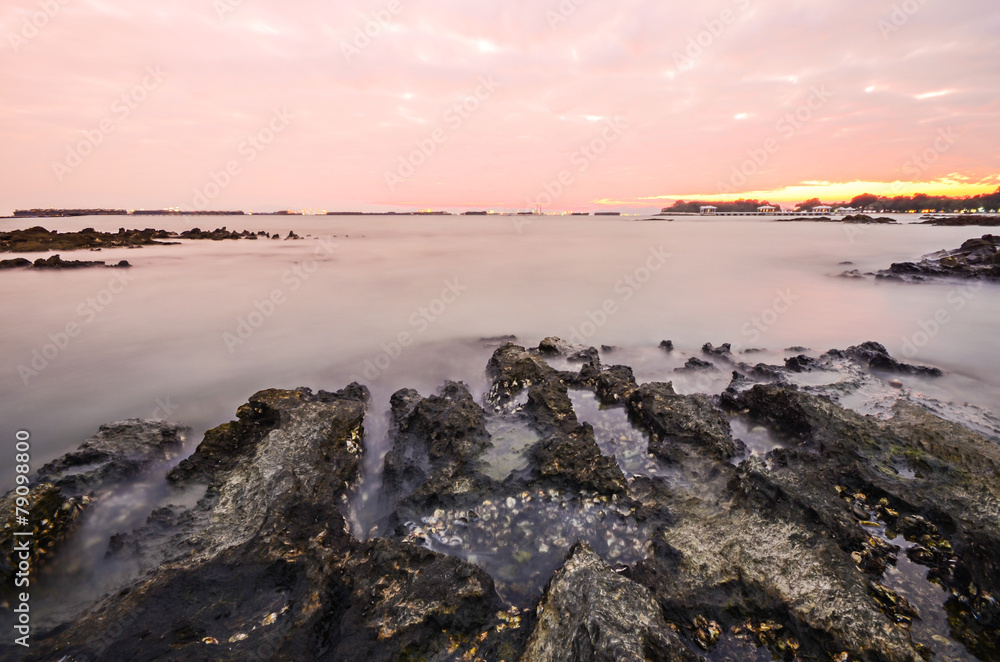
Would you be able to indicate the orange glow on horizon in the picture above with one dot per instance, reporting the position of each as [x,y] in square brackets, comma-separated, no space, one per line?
[953,186]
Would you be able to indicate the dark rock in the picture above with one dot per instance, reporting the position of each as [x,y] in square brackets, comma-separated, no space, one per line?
[589,355]
[722,351]
[56,262]
[118,452]
[843,454]
[273,573]
[574,461]
[963,220]
[694,364]
[674,419]
[513,369]
[977,258]
[436,444]
[15,263]
[667,345]
[51,517]
[877,357]
[612,384]
[802,363]
[589,612]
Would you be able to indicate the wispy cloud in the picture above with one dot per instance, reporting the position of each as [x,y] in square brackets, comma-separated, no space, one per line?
[688,125]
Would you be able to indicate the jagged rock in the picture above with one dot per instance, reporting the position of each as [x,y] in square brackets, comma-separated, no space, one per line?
[61,490]
[612,384]
[273,572]
[667,345]
[49,515]
[591,613]
[589,355]
[674,419]
[952,507]
[802,363]
[56,262]
[117,452]
[436,444]
[876,356]
[694,364]
[734,564]
[721,351]
[976,258]
[574,461]
[512,369]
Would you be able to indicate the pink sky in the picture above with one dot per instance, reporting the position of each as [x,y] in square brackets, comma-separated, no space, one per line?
[911,99]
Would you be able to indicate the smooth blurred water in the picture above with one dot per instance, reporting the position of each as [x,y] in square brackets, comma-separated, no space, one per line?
[158,347]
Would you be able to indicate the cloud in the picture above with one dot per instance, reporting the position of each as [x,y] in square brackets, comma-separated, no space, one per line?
[700,85]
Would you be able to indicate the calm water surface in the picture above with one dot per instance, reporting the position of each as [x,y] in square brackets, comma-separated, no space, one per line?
[199,327]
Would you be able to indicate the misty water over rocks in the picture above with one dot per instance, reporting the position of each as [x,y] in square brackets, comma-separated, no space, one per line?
[541,449]
[158,347]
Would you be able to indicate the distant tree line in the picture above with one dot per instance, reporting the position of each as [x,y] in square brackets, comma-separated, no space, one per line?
[899,204]
[736,206]
[922,201]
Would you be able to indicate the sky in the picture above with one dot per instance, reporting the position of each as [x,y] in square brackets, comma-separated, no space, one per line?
[487,104]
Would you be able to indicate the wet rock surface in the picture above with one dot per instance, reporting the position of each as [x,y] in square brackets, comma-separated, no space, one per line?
[575,514]
[977,258]
[61,491]
[589,612]
[118,452]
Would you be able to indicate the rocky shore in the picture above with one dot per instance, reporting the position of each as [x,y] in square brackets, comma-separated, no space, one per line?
[56,262]
[975,259]
[963,220]
[860,219]
[768,522]
[38,239]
